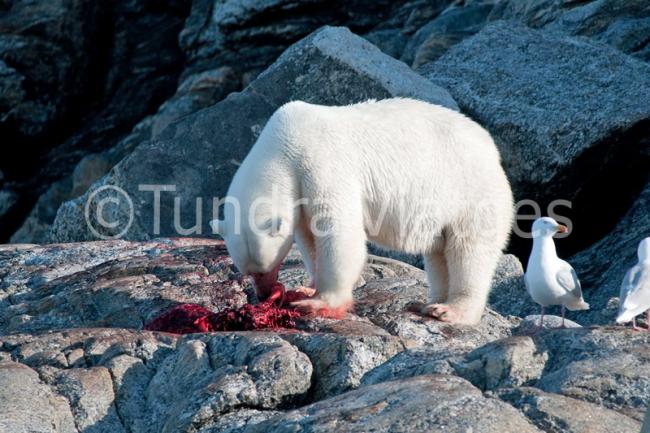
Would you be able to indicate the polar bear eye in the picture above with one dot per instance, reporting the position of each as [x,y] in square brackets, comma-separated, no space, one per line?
[273,226]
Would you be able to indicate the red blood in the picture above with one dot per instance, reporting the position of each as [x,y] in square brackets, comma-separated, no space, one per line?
[269,314]
[182,319]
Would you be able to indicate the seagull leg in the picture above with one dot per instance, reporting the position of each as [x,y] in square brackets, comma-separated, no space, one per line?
[562,326]
[636,328]
[647,320]
[541,319]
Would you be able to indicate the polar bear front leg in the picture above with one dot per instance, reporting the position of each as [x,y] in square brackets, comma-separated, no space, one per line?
[435,266]
[307,246]
[340,257]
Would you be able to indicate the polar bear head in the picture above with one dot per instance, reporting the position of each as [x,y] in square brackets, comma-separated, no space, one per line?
[257,244]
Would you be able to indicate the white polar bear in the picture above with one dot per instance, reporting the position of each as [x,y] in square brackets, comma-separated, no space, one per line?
[404,174]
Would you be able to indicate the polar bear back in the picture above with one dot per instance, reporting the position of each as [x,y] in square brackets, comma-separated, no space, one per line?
[403,160]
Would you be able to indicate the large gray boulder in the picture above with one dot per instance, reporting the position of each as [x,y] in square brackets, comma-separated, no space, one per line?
[563,111]
[624,24]
[198,155]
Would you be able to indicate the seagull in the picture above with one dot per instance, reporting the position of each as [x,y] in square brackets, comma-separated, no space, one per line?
[635,290]
[549,279]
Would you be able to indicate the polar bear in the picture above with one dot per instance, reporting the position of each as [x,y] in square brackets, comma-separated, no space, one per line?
[404,174]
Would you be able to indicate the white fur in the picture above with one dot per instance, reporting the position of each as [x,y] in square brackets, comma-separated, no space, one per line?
[434,174]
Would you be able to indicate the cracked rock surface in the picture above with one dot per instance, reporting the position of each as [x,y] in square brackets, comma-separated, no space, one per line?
[74,356]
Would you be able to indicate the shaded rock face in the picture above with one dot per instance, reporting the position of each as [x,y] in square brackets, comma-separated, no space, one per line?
[568,116]
[77,85]
[194,93]
[603,265]
[71,336]
[196,157]
[249,35]
[79,75]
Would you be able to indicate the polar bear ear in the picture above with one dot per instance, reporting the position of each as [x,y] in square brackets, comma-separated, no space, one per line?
[218,227]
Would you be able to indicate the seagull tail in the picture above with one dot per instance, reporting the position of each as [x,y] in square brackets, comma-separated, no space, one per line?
[580,304]
[625,316]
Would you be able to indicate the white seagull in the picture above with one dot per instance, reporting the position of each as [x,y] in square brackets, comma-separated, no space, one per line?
[549,279]
[635,290]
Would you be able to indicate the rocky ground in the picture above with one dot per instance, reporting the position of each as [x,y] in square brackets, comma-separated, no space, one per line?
[124,94]
[74,356]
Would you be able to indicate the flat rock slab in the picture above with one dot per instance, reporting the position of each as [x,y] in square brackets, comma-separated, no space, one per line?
[112,283]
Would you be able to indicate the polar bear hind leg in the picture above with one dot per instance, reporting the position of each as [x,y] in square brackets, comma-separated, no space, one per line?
[471,256]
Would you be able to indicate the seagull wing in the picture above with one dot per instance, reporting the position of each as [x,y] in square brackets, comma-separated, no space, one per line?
[568,279]
[635,290]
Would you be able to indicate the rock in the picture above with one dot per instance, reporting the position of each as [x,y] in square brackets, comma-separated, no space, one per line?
[29,405]
[236,422]
[534,91]
[332,66]
[603,265]
[509,296]
[392,35]
[55,298]
[452,26]
[209,385]
[194,93]
[512,361]
[558,414]
[431,403]
[117,284]
[531,323]
[90,393]
[432,345]
[340,361]
[605,366]
[8,199]
[248,35]
[383,301]
[620,23]
[41,78]
[88,72]
[162,383]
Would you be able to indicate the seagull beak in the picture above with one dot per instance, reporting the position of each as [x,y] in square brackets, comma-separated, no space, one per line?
[562,229]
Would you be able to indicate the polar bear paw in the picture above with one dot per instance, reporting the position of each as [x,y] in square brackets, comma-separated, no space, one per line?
[318,307]
[442,312]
